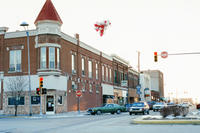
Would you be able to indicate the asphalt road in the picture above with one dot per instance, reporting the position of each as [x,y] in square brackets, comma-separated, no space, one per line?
[105,123]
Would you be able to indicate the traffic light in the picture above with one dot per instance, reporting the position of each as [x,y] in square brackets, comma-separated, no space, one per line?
[41,82]
[44,91]
[155,56]
[38,91]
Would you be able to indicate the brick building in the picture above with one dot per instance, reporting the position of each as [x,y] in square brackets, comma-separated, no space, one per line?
[65,63]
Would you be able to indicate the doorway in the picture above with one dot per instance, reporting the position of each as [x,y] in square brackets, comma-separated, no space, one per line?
[50,105]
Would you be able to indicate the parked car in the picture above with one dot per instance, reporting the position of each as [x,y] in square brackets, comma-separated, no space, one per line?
[198,106]
[127,106]
[139,107]
[108,108]
[151,103]
[158,106]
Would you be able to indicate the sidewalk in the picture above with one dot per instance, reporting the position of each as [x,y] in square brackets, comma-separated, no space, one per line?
[37,116]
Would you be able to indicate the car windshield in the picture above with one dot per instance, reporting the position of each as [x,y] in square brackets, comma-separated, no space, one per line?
[159,104]
[138,105]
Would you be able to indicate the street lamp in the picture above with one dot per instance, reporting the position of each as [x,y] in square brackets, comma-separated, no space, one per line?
[25,25]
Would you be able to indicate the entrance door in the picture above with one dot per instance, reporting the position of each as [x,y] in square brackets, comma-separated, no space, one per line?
[50,105]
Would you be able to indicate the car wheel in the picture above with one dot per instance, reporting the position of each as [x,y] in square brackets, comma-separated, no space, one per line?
[143,112]
[130,113]
[135,113]
[154,110]
[98,112]
[118,111]
[112,113]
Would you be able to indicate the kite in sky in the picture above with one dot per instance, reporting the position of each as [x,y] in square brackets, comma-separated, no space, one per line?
[101,26]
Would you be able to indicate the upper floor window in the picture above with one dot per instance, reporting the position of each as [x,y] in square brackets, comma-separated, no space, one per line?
[43,57]
[51,57]
[106,73]
[97,71]
[90,69]
[73,64]
[110,75]
[83,66]
[58,58]
[103,73]
[15,60]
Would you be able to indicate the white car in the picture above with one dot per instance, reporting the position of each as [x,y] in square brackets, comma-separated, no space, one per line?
[159,106]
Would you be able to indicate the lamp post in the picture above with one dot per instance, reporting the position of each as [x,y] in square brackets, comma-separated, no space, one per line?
[25,25]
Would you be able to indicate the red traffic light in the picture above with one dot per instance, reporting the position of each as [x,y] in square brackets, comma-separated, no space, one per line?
[41,78]
[155,56]
[38,91]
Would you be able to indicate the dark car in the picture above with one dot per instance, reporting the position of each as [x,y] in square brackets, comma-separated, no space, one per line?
[151,103]
[108,108]
[127,106]
[139,107]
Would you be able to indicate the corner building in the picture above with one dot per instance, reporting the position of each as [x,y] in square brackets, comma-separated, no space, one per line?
[65,63]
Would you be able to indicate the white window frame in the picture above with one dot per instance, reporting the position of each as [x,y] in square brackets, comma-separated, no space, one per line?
[73,64]
[16,60]
[43,55]
[58,58]
[103,77]
[50,59]
[90,69]
[106,73]
[83,66]
[97,71]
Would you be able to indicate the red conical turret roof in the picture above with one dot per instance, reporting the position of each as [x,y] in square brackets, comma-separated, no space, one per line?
[48,12]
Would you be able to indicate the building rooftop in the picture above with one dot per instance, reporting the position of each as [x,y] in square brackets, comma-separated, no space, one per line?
[48,12]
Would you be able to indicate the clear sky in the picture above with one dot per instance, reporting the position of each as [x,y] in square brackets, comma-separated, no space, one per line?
[137,25]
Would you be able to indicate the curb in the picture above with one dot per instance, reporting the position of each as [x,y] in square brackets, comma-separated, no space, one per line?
[165,122]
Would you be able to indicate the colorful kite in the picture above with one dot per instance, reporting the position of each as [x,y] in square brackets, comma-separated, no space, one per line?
[101,26]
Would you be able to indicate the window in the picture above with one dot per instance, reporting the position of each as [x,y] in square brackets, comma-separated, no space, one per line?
[43,57]
[15,60]
[60,100]
[58,58]
[16,101]
[90,69]
[97,88]
[51,57]
[110,75]
[35,99]
[103,73]
[74,86]
[97,72]
[73,64]
[106,74]
[115,77]
[83,87]
[90,87]
[83,66]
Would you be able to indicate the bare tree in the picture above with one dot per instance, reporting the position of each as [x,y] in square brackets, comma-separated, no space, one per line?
[16,86]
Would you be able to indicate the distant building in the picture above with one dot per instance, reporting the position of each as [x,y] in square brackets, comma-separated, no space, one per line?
[145,82]
[157,83]
[133,81]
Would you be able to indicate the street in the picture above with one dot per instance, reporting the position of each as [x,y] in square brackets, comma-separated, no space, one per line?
[89,124]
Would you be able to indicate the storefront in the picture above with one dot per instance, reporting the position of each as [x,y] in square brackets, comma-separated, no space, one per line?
[108,94]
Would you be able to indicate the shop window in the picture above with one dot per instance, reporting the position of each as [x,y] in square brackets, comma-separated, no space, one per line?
[35,99]
[60,101]
[16,101]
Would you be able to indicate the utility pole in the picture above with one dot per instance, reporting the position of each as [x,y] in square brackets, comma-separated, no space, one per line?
[77,69]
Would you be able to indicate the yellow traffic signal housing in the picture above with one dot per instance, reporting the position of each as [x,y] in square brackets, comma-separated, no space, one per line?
[155,56]
[41,82]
